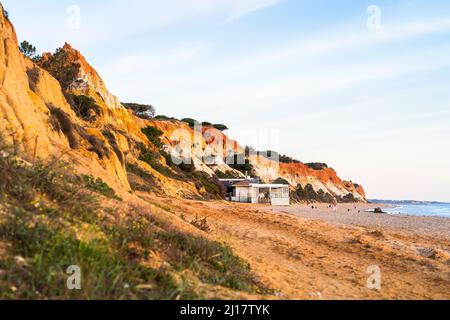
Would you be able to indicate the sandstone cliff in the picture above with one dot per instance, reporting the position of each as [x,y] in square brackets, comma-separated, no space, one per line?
[61,107]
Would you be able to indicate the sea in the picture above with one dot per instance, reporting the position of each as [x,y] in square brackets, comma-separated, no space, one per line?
[416,208]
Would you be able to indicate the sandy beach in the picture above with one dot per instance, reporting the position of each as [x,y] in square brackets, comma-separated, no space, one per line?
[305,253]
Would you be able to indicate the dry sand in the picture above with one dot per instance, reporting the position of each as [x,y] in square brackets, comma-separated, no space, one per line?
[305,253]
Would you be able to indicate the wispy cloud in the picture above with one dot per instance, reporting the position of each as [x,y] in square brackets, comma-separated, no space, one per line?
[301,69]
[241,8]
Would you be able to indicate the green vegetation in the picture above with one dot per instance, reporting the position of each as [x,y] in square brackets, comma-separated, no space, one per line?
[84,106]
[281,181]
[29,50]
[109,135]
[145,181]
[182,172]
[143,111]
[98,186]
[98,146]
[164,118]
[153,135]
[59,67]
[227,175]
[49,221]
[191,122]
[33,77]
[349,198]
[242,163]
[214,262]
[153,158]
[211,184]
[220,127]
[309,194]
[317,166]
[60,121]
[286,159]
[276,156]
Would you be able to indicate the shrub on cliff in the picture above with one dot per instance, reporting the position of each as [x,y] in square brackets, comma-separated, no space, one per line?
[349,198]
[153,135]
[143,111]
[84,106]
[191,122]
[309,194]
[60,121]
[60,68]
[164,118]
[286,159]
[220,127]
[317,166]
[281,181]
[27,49]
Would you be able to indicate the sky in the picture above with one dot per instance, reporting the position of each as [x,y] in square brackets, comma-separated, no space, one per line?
[361,85]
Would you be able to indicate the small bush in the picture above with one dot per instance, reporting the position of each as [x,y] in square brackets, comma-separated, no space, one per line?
[27,49]
[153,159]
[309,194]
[349,198]
[281,181]
[142,111]
[214,262]
[220,127]
[164,118]
[153,135]
[84,106]
[317,166]
[201,224]
[211,184]
[98,146]
[114,145]
[33,77]
[227,175]
[61,121]
[97,185]
[148,182]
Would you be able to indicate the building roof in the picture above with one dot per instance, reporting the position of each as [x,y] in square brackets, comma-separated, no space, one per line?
[245,183]
[249,184]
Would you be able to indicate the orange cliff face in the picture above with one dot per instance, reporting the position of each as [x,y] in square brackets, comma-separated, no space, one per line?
[325,179]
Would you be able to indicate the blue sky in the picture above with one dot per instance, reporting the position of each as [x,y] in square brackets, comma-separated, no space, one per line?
[372,101]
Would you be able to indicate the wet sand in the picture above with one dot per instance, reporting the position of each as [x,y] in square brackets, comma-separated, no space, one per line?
[350,214]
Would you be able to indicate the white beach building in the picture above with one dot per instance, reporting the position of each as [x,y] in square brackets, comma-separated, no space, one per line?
[273,194]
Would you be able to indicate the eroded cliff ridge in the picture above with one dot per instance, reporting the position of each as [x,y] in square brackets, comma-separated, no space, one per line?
[59,106]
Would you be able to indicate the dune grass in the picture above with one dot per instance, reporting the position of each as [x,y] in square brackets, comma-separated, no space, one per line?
[51,219]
